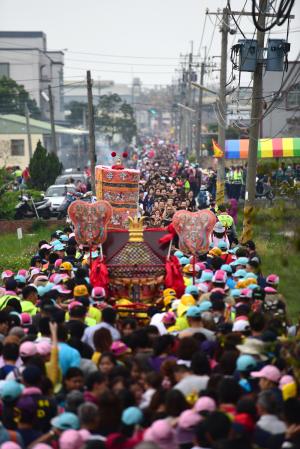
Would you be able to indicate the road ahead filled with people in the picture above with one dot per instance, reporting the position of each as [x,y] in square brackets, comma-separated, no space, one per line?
[206,369]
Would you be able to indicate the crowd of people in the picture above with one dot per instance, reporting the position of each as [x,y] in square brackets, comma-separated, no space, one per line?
[205,370]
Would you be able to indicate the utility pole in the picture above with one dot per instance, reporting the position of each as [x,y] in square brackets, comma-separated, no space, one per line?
[189,101]
[51,107]
[28,131]
[222,108]
[256,112]
[91,120]
[199,117]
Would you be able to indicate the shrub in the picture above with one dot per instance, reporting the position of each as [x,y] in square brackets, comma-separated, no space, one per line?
[44,168]
[10,199]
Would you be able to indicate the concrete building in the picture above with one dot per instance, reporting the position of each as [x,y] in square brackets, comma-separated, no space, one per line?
[286,106]
[14,146]
[24,58]
[78,91]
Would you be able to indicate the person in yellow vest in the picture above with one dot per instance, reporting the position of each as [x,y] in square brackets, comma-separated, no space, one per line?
[228,180]
[237,183]
[227,221]
[81,291]
[78,310]
[30,298]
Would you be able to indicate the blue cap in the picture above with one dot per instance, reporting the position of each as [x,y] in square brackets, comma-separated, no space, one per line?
[184,260]
[192,290]
[241,261]
[193,312]
[132,416]
[240,274]
[205,306]
[222,244]
[55,242]
[251,276]
[59,247]
[206,276]
[43,289]
[252,286]
[63,238]
[211,245]
[178,254]
[10,390]
[235,293]
[226,268]
[66,421]
[246,362]
[20,278]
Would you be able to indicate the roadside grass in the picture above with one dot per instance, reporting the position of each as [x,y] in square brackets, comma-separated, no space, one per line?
[16,254]
[277,237]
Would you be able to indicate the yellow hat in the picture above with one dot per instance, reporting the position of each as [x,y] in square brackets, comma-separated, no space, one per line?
[66,266]
[241,284]
[81,290]
[168,299]
[185,302]
[215,252]
[169,291]
[250,281]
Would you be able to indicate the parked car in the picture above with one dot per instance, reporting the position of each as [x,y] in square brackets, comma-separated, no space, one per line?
[65,179]
[56,195]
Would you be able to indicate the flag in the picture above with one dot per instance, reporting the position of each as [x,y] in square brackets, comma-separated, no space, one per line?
[218,152]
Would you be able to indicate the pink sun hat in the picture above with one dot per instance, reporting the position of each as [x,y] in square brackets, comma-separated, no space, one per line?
[162,433]
[57,263]
[10,445]
[269,372]
[7,274]
[205,404]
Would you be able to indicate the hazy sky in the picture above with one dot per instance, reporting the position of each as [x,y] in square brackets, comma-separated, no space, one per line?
[152,32]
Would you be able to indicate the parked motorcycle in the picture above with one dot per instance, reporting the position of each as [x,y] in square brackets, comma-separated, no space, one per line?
[28,208]
[70,198]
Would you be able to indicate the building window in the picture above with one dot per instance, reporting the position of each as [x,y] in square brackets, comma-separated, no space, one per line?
[293,97]
[4,69]
[17,147]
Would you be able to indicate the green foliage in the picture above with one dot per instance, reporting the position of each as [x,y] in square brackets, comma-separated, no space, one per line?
[9,200]
[116,117]
[77,109]
[13,99]
[6,178]
[232,133]
[44,168]
[110,103]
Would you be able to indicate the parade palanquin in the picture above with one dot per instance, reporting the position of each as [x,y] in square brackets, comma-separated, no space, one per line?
[135,262]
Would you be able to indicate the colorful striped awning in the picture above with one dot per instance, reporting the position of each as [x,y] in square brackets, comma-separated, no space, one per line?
[267,148]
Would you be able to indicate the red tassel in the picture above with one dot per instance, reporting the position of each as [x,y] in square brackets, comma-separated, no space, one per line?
[125,154]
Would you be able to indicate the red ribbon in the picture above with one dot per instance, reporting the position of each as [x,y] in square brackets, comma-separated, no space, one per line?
[174,278]
[99,274]
[168,237]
